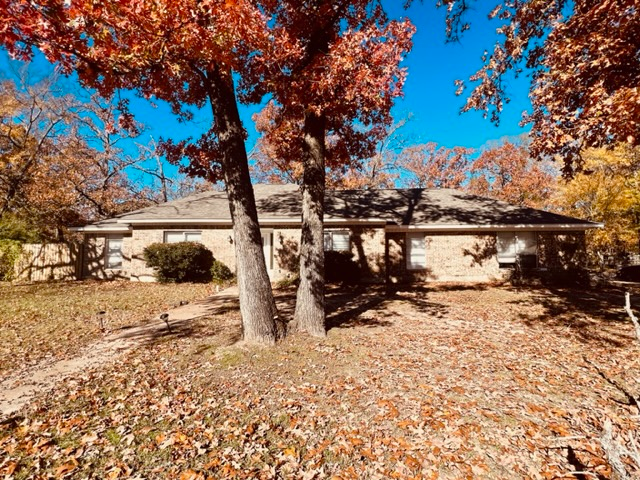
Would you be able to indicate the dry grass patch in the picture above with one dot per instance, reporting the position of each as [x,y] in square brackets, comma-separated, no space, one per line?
[447,382]
[55,320]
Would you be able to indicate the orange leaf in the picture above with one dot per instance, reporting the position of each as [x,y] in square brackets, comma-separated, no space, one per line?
[191,475]
[67,468]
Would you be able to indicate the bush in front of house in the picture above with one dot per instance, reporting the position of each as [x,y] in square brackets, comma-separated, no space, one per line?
[10,252]
[339,267]
[220,273]
[180,262]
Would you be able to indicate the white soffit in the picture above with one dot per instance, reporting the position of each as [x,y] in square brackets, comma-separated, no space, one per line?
[263,221]
[492,228]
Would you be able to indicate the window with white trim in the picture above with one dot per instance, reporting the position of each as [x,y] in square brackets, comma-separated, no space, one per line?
[514,247]
[416,251]
[337,241]
[182,236]
[113,252]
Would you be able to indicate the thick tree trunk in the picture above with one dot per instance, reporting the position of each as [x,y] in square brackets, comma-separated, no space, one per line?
[309,314]
[257,305]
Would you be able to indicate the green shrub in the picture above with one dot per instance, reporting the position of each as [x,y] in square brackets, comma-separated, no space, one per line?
[15,228]
[340,267]
[180,262]
[10,252]
[220,273]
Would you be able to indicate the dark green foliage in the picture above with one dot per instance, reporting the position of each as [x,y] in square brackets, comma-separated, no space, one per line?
[15,228]
[339,267]
[10,251]
[180,262]
[220,273]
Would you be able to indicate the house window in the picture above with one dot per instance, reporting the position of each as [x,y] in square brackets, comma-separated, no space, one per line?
[416,251]
[113,252]
[337,241]
[514,247]
[177,236]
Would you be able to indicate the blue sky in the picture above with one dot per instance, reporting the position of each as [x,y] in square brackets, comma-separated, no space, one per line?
[429,94]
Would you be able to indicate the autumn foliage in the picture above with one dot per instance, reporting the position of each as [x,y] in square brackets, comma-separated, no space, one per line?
[608,191]
[585,70]
[507,172]
[431,166]
[60,162]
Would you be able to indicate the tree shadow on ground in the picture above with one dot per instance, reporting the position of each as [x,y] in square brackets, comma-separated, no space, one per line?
[220,319]
[228,332]
[593,316]
[346,305]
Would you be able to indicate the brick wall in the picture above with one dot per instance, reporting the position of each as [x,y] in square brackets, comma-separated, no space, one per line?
[464,257]
[286,249]
[94,258]
[368,248]
[218,240]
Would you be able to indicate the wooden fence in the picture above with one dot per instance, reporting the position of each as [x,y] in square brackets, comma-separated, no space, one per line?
[51,261]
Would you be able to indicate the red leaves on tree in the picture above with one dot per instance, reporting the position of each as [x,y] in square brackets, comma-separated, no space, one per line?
[586,71]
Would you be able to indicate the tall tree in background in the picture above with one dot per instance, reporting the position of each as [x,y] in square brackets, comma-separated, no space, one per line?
[378,171]
[430,166]
[607,190]
[507,172]
[338,82]
[184,52]
[60,163]
[164,186]
[583,54]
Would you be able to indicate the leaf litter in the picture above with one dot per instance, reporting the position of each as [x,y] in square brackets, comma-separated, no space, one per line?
[453,381]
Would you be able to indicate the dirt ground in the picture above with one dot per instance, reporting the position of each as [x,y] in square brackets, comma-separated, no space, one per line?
[453,381]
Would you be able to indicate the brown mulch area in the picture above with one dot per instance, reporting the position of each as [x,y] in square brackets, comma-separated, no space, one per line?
[454,381]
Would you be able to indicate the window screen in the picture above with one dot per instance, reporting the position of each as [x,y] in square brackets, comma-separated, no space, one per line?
[114,252]
[416,251]
[182,236]
[517,246]
[506,247]
[337,241]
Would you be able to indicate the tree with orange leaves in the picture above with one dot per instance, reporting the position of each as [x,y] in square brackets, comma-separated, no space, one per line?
[60,162]
[583,60]
[333,88]
[184,52]
[430,166]
[507,172]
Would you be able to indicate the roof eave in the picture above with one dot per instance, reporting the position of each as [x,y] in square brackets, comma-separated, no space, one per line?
[102,229]
[263,221]
[497,227]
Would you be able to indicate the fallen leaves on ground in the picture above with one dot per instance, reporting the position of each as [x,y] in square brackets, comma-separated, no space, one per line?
[446,382]
[51,321]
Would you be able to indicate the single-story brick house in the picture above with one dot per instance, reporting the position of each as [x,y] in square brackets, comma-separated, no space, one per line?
[394,234]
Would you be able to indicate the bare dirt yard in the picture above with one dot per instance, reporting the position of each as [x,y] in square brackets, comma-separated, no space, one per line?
[450,381]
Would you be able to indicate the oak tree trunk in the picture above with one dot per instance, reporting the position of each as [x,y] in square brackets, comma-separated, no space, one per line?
[257,305]
[309,316]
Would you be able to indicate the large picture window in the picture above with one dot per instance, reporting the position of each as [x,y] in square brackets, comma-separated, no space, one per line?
[516,247]
[337,241]
[113,252]
[416,251]
[182,236]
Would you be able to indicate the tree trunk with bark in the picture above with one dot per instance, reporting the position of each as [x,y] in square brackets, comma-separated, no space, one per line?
[309,316]
[257,305]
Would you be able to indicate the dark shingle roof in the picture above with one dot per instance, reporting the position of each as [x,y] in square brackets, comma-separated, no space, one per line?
[394,206]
